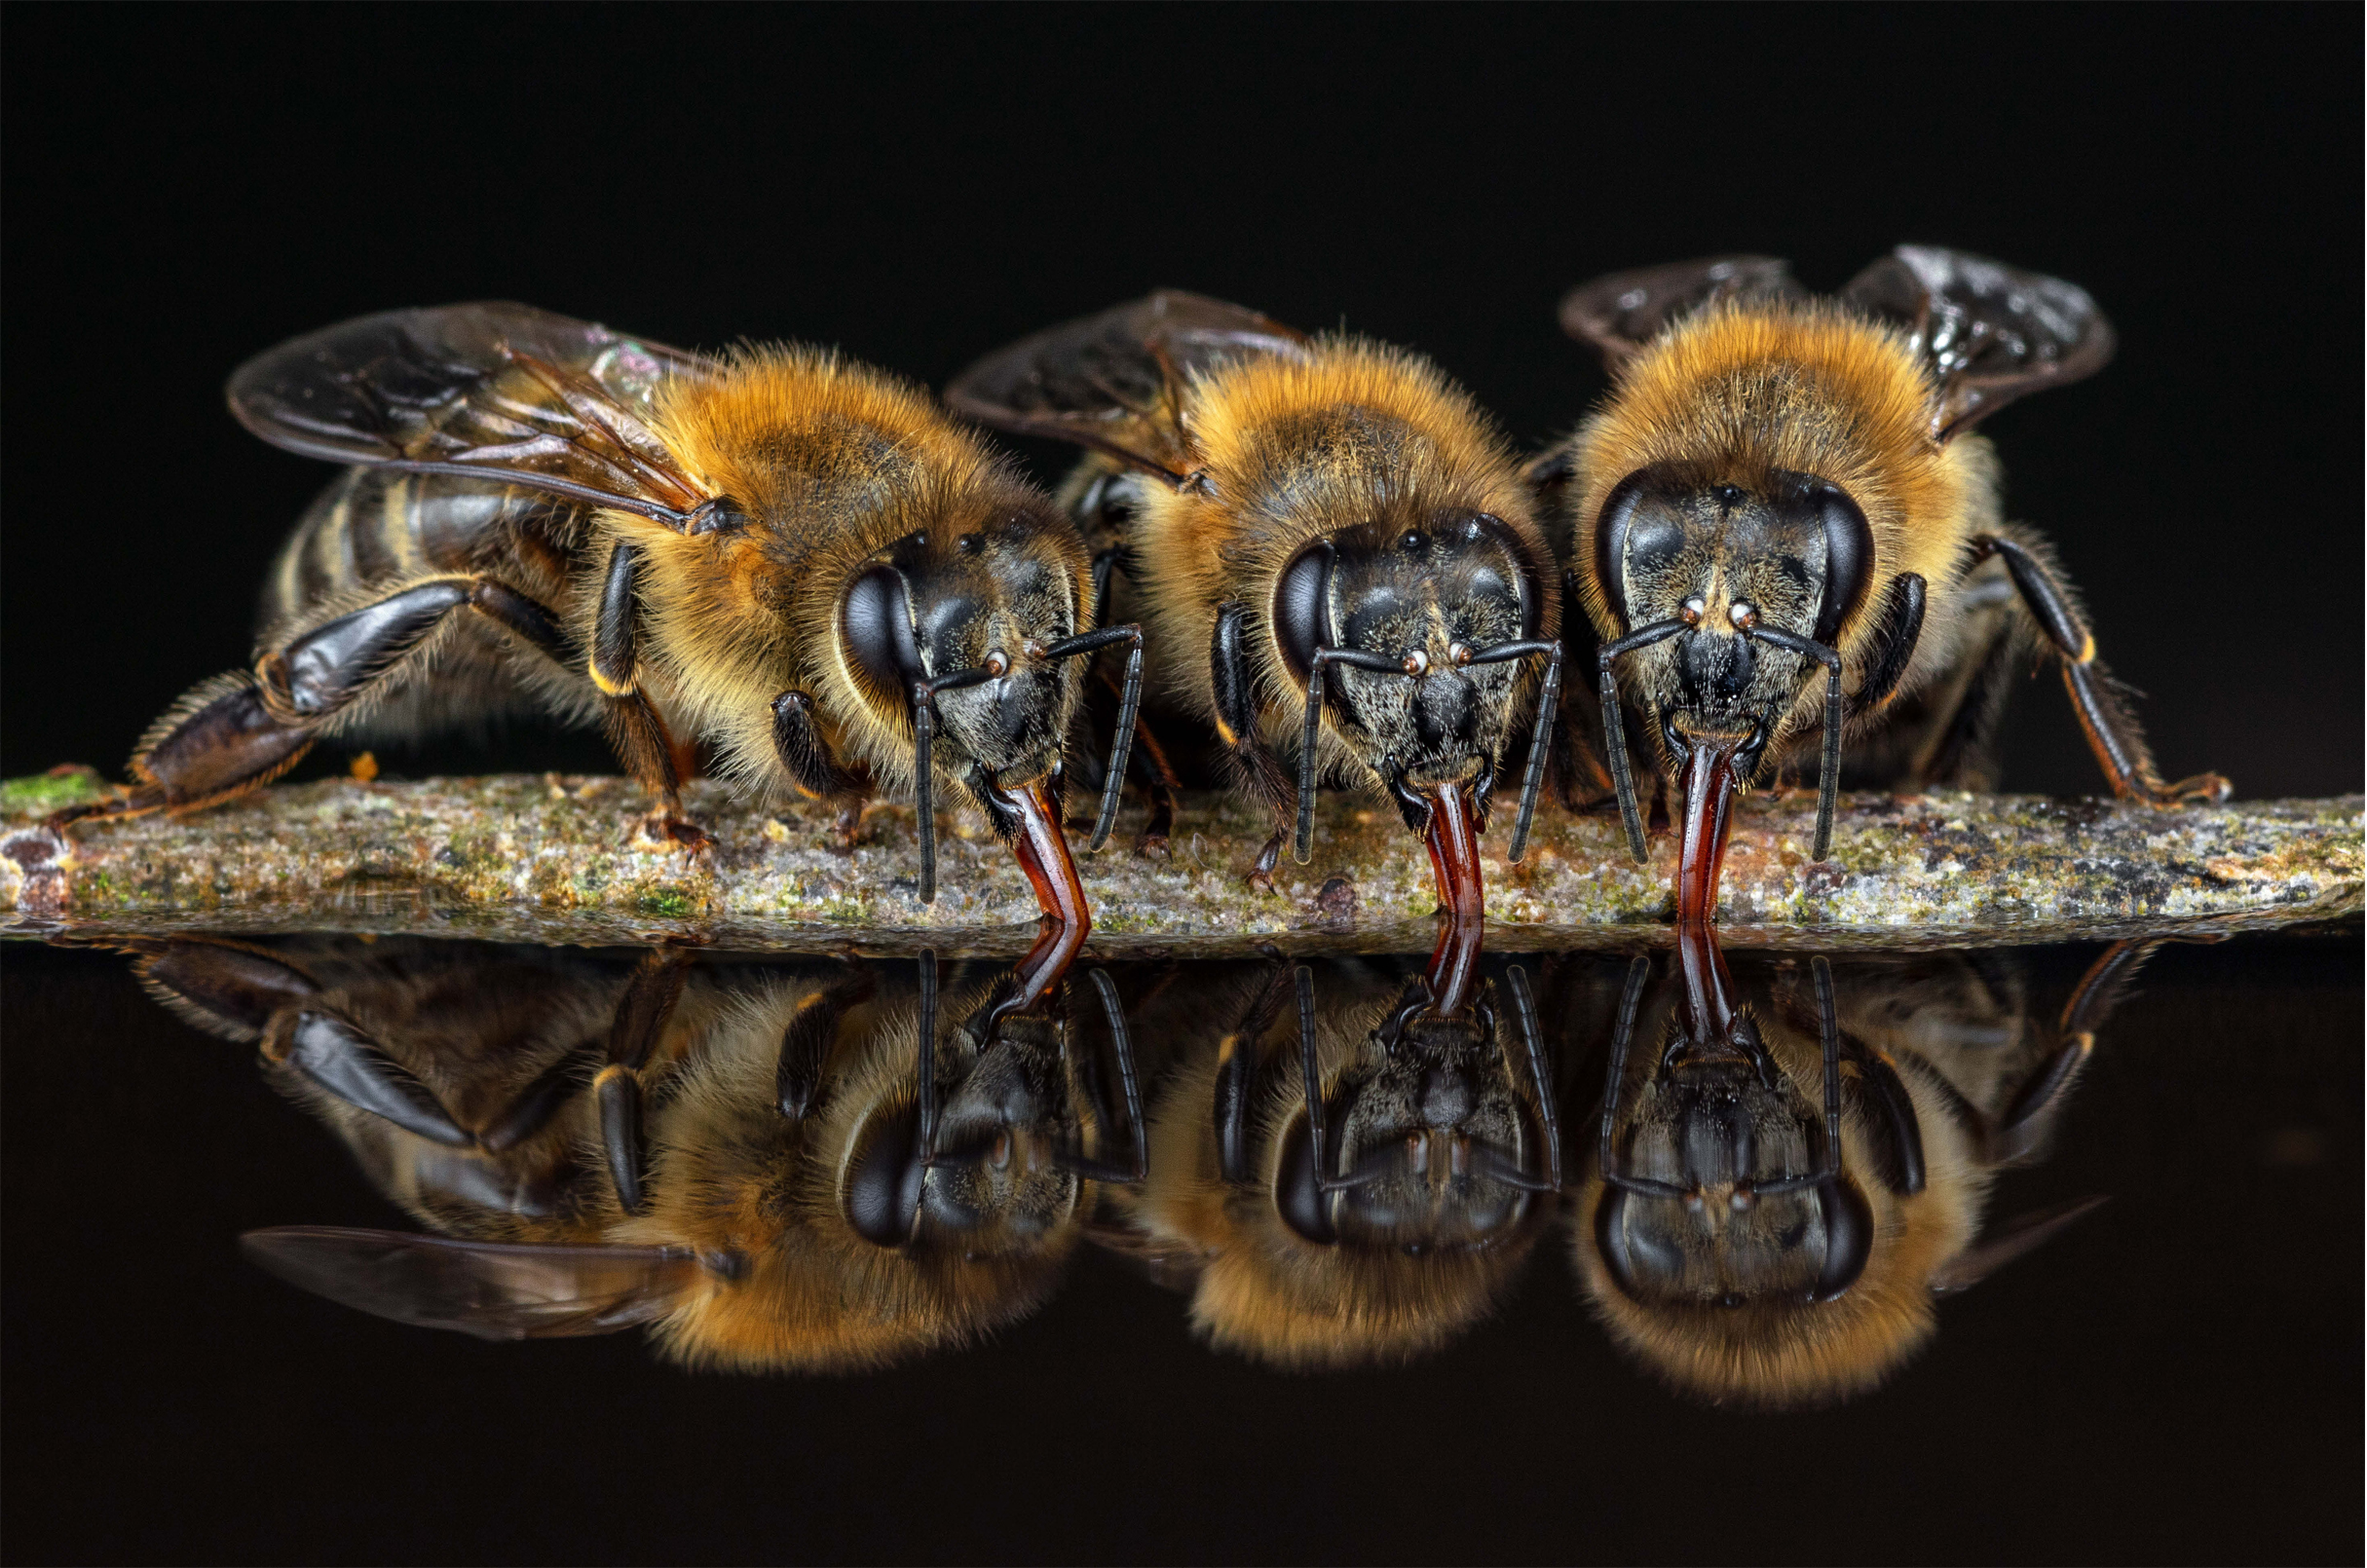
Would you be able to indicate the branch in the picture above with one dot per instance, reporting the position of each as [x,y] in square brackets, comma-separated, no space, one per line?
[559,860]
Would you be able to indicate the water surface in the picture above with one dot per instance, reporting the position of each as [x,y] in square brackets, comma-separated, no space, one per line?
[1021,1353]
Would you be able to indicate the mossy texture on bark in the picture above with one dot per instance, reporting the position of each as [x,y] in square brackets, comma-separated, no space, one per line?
[559,858]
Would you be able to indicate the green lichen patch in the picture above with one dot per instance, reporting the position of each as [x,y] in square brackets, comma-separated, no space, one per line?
[39,794]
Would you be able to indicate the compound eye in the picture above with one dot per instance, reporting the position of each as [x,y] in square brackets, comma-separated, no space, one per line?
[1298,1198]
[882,1196]
[1848,1237]
[1849,561]
[1633,543]
[1298,611]
[876,628]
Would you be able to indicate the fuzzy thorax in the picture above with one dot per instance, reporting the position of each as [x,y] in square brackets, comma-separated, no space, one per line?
[1773,1347]
[831,462]
[1288,451]
[1741,393]
[731,1173]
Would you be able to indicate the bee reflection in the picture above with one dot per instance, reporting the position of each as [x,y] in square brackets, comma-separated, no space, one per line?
[1345,1166]
[1784,1179]
[838,1167]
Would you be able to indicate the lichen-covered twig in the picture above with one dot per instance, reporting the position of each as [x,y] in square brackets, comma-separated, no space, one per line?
[554,858]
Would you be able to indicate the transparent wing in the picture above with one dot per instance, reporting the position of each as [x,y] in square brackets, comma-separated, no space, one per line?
[1114,381]
[493,1290]
[1172,1265]
[491,390]
[1990,333]
[2021,1234]
[1620,313]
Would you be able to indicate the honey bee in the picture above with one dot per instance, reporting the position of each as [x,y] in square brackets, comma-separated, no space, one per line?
[838,1171]
[1341,530]
[800,559]
[1353,1180]
[1782,1190]
[1779,486]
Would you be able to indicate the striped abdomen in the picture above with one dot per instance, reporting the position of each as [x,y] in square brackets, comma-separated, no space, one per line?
[375,531]
[376,528]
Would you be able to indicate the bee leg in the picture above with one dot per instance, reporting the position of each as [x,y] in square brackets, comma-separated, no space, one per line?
[217,742]
[646,749]
[1149,765]
[335,1057]
[2021,1132]
[532,1107]
[635,726]
[225,988]
[814,769]
[797,1072]
[1239,1056]
[633,1033]
[2113,733]
[1236,693]
[1262,870]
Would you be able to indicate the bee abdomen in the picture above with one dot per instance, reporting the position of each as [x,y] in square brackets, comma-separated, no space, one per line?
[376,526]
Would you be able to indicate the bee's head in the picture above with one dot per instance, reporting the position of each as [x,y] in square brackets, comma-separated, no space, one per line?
[980,1149]
[982,598]
[1712,1192]
[1422,598]
[1746,1223]
[970,631]
[1428,1139]
[1784,552]
[1726,594]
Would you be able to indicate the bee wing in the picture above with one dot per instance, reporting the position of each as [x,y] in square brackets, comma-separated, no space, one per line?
[1620,313]
[2021,1234]
[1114,381]
[490,390]
[1171,1265]
[1990,333]
[493,1290]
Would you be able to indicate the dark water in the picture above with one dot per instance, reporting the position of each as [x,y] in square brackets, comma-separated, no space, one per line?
[2173,1376]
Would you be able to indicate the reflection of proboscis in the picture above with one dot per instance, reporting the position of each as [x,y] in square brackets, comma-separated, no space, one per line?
[1784,1178]
[838,1166]
[1385,1222]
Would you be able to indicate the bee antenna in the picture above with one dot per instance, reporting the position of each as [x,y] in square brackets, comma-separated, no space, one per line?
[1524,1011]
[1302,847]
[1128,1085]
[926,1054]
[1541,733]
[1829,787]
[1615,730]
[924,773]
[1828,1030]
[1549,698]
[925,805]
[1604,1154]
[1129,703]
[1309,1077]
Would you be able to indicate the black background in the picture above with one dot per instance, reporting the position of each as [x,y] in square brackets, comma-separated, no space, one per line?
[184,189]
[2175,1380]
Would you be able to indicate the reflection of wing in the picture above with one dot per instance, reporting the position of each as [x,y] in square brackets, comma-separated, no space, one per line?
[1170,1265]
[493,391]
[1622,312]
[2021,1234]
[490,1289]
[1989,332]
[1114,381]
